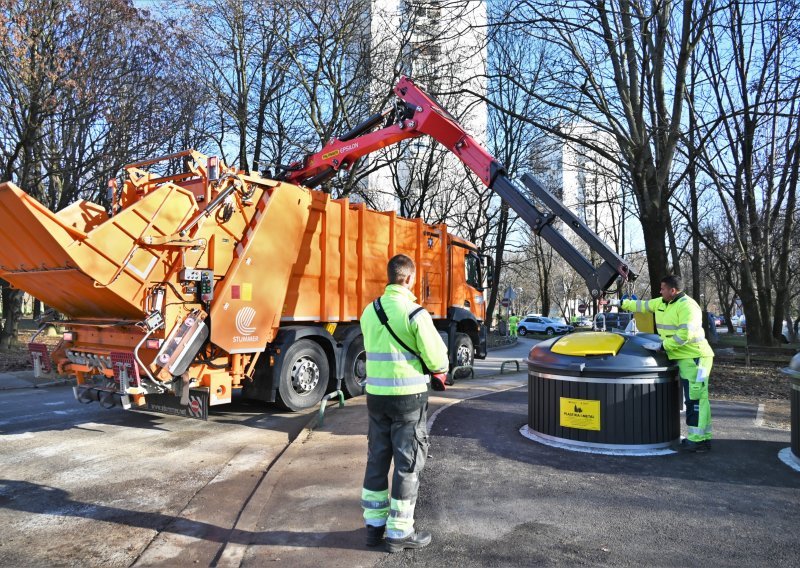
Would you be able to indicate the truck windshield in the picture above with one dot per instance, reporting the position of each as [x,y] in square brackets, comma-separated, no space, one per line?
[472,268]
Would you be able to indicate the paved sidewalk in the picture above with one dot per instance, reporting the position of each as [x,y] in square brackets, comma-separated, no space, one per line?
[493,497]
[306,512]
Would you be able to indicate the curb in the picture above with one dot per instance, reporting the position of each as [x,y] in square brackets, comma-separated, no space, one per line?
[35,385]
[233,552]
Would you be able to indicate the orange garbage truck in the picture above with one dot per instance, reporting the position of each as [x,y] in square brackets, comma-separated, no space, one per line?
[198,284]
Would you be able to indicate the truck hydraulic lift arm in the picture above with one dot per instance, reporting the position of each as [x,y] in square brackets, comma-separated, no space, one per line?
[415,114]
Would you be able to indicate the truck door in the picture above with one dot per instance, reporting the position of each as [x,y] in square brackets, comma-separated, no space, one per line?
[466,281]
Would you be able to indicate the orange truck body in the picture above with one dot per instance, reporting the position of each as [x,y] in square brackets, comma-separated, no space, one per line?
[212,281]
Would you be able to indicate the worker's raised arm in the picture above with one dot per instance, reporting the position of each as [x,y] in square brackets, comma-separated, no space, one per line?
[638,306]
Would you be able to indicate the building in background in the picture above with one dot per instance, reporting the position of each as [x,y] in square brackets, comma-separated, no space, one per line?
[588,183]
[442,46]
[591,185]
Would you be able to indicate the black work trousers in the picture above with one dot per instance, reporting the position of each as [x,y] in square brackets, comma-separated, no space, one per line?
[397,430]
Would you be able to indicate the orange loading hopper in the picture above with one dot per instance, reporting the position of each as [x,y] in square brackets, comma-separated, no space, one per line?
[81,262]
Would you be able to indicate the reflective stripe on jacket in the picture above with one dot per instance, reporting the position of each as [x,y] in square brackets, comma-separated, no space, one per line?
[391,370]
[679,323]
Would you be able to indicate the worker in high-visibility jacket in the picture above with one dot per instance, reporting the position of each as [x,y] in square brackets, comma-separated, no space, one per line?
[397,403]
[679,323]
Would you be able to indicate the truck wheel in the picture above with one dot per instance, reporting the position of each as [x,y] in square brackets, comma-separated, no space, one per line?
[523,332]
[304,376]
[355,368]
[465,353]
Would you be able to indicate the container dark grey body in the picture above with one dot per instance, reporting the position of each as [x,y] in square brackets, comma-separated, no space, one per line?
[638,392]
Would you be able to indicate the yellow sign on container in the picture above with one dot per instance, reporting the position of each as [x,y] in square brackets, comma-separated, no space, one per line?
[581,414]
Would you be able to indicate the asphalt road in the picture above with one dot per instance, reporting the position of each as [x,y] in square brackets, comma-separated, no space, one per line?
[82,485]
[494,498]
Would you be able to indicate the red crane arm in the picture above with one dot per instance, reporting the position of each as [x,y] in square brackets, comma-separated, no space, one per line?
[420,114]
[417,113]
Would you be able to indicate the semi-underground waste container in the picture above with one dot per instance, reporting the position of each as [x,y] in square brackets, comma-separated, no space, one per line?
[791,455]
[595,391]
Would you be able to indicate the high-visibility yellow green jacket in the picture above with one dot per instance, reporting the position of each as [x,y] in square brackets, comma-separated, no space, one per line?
[679,323]
[391,370]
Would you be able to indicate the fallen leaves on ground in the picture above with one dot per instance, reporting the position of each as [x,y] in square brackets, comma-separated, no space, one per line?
[758,384]
[18,358]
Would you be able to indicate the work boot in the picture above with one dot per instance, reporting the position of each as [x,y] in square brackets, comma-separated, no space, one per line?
[419,539]
[375,535]
[688,446]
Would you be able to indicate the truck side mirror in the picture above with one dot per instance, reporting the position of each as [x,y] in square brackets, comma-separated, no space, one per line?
[488,270]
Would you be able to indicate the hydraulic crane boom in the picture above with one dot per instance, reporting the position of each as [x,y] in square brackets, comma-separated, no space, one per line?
[415,114]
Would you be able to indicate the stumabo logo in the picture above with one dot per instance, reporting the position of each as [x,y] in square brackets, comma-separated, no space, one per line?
[244,320]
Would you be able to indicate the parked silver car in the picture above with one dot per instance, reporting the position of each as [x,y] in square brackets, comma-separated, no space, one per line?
[540,324]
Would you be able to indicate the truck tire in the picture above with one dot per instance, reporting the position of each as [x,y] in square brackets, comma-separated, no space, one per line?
[464,353]
[355,368]
[304,375]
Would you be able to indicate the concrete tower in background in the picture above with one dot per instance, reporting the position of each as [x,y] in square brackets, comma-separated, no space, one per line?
[441,45]
[588,183]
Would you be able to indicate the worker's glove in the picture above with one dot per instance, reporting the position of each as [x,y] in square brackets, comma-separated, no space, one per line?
[614,302]
[438,380]
[653,346]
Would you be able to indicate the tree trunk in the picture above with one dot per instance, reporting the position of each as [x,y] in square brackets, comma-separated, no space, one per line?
[5,287]
[8,337]
[502,233]
[654,231]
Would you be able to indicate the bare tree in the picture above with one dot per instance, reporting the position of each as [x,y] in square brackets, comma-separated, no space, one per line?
[80,100]
[621,67]
[239,63]
[748,148]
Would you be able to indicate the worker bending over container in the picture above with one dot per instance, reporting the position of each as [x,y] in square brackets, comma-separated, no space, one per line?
[679,323]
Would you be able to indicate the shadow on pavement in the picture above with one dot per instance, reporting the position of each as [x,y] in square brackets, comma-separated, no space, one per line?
[742,454]
[44,500]
[72,415]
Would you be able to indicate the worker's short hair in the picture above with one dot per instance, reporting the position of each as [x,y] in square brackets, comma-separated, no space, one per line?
[673,281]
[400,267]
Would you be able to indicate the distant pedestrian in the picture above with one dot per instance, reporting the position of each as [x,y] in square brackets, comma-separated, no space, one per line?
[404,354]
[513,323]
[679,323]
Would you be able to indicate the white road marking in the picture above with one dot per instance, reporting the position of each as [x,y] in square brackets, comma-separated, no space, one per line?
[787,456]
[759,421]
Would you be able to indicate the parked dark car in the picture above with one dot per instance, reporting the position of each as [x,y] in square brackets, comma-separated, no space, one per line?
[615,320]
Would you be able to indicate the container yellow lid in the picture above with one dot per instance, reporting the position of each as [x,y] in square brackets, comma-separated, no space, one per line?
[586,343]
